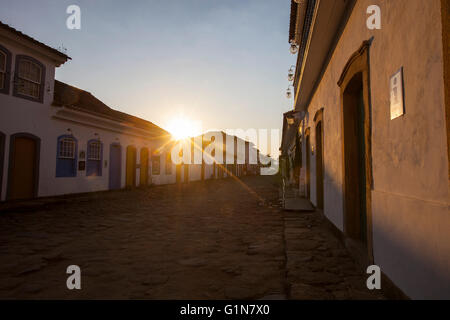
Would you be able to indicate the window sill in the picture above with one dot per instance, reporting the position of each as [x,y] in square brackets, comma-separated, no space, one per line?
[22,96]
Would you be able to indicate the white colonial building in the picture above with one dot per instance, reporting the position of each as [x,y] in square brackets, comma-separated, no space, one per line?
[56,139]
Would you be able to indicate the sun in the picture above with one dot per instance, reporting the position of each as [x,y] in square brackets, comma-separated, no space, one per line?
[181,127]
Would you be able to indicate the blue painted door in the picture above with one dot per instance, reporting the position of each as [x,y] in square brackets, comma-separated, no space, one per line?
[115,166]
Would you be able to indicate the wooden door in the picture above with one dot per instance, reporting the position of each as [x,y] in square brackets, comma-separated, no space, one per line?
[115,167]
[355,161]
[143,181]
[131,167]
[23,167]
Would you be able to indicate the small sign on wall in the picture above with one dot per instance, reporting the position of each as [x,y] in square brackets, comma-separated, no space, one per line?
[397,95]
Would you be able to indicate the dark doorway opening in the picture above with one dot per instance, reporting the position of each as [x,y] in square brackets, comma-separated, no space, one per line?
[115,166]
[319,164]
[308,164]
[355,160]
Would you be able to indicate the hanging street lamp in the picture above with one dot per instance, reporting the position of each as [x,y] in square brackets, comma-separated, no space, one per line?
[291,73]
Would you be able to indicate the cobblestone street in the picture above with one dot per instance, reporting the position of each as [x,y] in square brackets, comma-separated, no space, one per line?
[206,240]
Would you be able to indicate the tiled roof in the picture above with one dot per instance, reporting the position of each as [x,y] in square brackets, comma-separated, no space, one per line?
[72,97]
[4,26]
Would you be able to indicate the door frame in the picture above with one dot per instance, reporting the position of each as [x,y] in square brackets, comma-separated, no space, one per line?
[12,148]
[359,63]
[308,163]
[110,162]
[318,119]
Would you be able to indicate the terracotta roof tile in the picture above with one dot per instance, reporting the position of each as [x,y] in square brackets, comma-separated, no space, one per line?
[72,97]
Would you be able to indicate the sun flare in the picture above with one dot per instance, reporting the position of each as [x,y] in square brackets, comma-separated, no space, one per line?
[181,127]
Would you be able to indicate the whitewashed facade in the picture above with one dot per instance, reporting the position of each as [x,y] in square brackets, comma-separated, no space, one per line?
[56,139]
[30,123]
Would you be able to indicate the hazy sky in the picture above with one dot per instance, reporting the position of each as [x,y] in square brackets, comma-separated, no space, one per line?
[221,62]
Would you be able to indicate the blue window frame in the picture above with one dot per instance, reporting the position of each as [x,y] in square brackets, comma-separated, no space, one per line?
[94,158]
[66,156]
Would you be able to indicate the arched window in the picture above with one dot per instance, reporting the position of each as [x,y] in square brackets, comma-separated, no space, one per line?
[94,158]
[29,81]
[5,69]
[66,156]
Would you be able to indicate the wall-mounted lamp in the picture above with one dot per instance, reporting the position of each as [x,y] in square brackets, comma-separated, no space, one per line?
[294,48]
[288,92]
[291,73]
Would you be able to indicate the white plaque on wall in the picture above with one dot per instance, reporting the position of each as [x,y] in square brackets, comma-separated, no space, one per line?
[397,94]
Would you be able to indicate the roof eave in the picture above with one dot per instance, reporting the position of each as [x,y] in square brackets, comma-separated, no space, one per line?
[15,35]
[306,81]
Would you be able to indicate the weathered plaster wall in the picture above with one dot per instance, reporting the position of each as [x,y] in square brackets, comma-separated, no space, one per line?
[410,199]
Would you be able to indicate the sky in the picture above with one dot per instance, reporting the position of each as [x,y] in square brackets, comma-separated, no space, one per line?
[222,64]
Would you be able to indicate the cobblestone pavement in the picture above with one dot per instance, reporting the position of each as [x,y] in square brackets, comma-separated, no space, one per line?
[212,240]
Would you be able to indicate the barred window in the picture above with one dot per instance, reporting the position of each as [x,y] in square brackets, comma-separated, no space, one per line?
[66,156]
[94,158]
[66,148]
[29,78]
[94,150]
[156,165]
[2,69]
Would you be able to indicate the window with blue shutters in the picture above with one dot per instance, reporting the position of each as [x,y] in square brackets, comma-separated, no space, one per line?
[94,158]
[66,156]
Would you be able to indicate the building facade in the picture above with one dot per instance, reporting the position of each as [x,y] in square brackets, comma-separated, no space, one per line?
[57,139]
[373,125]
